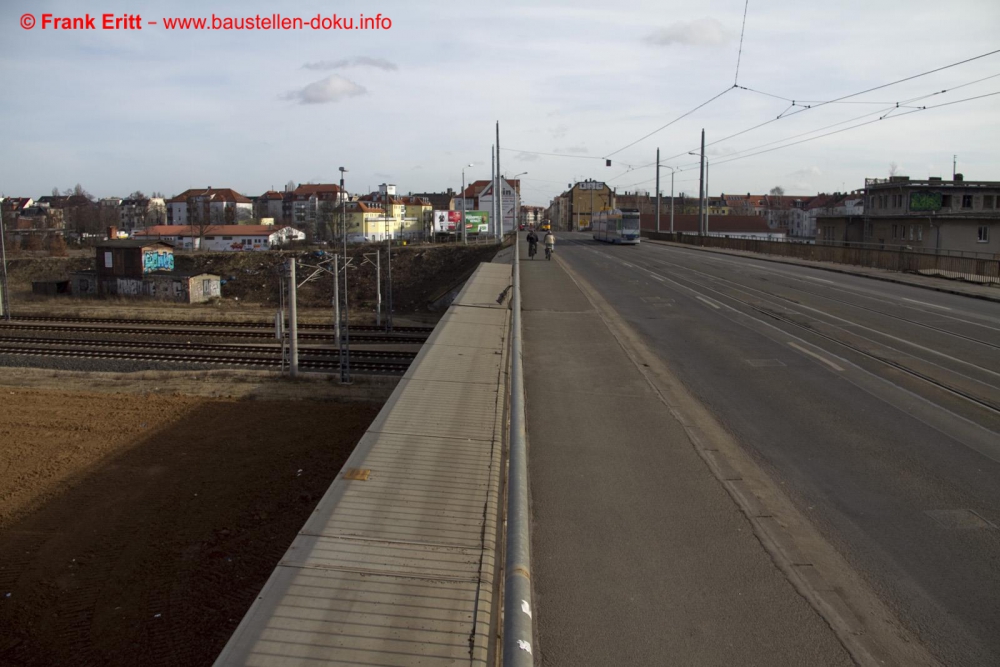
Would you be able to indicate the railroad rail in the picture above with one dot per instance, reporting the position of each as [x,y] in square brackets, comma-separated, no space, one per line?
[6,342]
[308,364]
[380,337]
[217,324]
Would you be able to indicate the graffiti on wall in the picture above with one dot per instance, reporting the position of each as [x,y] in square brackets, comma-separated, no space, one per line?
[128,286]
[157,261]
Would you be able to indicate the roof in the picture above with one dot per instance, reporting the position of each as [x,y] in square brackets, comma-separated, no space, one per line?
[273,194]
[364,207]
[474,188]
[210,230]
[310,189]
[213,194]
[131,243]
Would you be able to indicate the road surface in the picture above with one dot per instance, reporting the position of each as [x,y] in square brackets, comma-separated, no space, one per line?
[873,406]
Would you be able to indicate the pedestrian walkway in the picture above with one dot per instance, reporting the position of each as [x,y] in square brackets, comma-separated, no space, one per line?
[942,284]
[640,556]
[397,565]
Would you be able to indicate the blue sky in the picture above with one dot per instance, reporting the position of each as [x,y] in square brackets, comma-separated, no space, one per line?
[159,110]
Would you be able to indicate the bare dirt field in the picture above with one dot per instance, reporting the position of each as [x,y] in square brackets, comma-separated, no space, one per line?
[136,529]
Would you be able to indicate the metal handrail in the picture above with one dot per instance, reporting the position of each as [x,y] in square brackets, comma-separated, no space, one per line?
[518,628]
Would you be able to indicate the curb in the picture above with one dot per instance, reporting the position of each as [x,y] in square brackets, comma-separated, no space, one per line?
[775,260]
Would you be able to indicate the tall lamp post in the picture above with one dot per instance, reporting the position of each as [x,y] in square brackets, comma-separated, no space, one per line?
[517,203]
[672,171]
[465,237]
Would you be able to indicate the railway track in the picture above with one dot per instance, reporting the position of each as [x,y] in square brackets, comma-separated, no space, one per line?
[13,343]
[214,324]
[380,337]
[361,365]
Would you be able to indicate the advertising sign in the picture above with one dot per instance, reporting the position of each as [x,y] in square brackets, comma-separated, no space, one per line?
[477,222]
[447,221]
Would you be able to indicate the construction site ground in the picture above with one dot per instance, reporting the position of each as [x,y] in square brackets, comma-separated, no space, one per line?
[137,528]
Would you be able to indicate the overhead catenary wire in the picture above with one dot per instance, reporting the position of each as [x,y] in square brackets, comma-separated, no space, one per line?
[845,129]
[739,55]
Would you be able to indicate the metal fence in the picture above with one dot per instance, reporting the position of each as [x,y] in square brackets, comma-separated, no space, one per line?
[518,629]
[978,269]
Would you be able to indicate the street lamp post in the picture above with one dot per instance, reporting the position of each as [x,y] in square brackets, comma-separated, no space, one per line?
[672,172]
[465,237]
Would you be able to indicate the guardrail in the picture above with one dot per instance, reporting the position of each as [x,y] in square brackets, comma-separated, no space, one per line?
[518,630]
[971,269]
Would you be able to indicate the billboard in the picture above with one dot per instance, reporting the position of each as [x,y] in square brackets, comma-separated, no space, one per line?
[477,222]
[446,222]
[450,222]
[925,201]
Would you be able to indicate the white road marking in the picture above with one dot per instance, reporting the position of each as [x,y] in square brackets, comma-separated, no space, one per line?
[924,303]
[709,302]
[816,356]
[819,280]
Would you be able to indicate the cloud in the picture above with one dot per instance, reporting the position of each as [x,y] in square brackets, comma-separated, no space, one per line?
[558,132]
[381,174]
[580,150]
[358,61]
[333,88]
[806,173]
[526,157]
[700,32]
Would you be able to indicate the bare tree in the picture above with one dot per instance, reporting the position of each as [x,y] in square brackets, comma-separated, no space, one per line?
[777,191]
[55,192]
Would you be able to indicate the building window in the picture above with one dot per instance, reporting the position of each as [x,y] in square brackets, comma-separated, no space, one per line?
[209,238]
[984,234]
[897,201]
[966,201]
[912,230]
[945,201]
[869,229]
[987,201]
[227,238]
[920,232]
[895,232]
[828,233]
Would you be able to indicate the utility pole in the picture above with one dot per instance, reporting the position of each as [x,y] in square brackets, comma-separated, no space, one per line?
[657,190]
[701,187]
[4,295]
[499,190]
[336,299]
[378,284]
[708,199]
[293,325]
[954,166]
[465,238]
[671,200]
[493,184]
[345,335]
[388,315]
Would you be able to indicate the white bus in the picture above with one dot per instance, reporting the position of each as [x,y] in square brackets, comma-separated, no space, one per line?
[617,226]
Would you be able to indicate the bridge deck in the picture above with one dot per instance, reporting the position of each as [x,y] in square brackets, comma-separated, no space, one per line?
[396,566]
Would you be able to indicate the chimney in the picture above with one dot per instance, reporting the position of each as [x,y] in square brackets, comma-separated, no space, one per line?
[112,233]
[959,177]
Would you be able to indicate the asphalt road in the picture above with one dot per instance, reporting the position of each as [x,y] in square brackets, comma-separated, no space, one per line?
[876,406]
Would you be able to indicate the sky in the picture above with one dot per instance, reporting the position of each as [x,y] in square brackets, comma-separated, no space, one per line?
[166,110]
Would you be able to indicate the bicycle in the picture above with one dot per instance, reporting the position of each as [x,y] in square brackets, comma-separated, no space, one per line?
[532,249]
[548,252]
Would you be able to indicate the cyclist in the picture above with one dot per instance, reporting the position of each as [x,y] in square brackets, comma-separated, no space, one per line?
[550,244]
[532,243]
